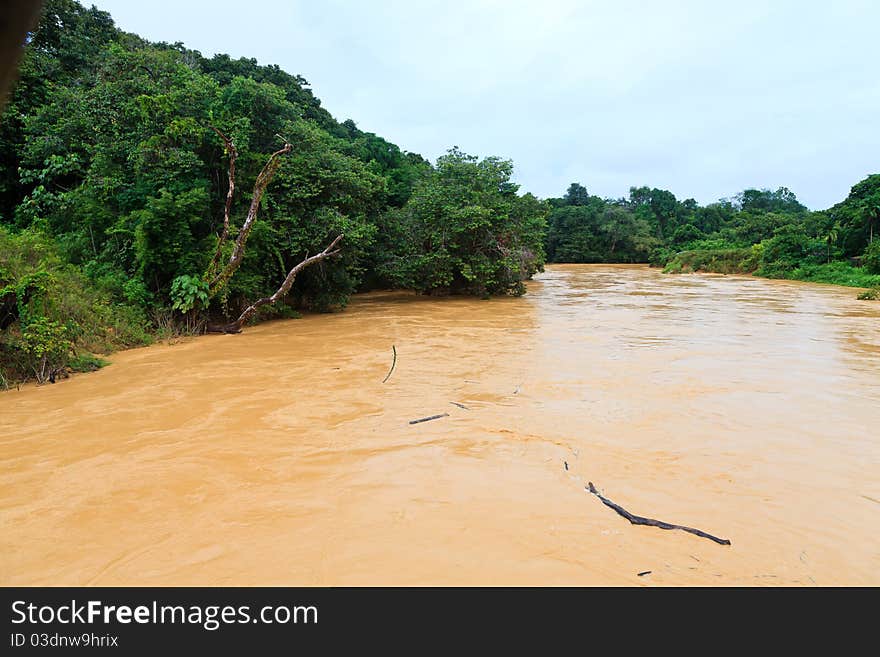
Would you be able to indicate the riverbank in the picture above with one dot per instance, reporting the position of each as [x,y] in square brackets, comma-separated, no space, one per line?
[742,407]
[747,262]
[104,341]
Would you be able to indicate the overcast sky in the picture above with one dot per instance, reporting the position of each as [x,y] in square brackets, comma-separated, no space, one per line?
[701,98]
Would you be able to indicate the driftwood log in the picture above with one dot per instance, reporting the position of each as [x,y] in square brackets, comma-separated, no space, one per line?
[639,520]
[430,417]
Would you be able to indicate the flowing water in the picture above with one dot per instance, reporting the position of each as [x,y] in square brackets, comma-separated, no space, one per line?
[744,407]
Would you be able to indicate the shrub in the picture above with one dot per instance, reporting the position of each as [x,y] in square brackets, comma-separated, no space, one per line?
[837,273]
[46,343]
[722,261]
[788,249]
[86,362]
[188,293]
[50,311]
[871,257]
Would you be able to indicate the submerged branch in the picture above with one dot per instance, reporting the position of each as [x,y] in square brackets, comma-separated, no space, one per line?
[639,520]
[393,363]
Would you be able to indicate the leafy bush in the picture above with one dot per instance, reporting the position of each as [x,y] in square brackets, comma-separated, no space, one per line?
[188,293]
[465,230]
[788,249]
[871,257]
[724,261]
[837,273]
[50,311]
[86,362]
[46,344]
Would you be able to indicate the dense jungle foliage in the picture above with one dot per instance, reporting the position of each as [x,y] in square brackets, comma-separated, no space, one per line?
[113,182]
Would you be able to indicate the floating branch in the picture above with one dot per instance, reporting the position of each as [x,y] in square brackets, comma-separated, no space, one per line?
[460,405]
[643,573]
[638,520]
[430,417]
[393,363]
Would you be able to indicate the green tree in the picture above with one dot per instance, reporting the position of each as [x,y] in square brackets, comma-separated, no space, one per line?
[859,215]
[577,195]
[831,232]
[465,230]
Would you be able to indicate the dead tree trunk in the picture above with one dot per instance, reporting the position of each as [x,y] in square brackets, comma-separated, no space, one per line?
[217,279]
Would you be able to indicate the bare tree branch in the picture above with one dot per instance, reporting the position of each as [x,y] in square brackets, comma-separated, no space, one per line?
[328,252]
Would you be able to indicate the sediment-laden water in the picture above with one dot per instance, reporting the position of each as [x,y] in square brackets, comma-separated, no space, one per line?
[744,407]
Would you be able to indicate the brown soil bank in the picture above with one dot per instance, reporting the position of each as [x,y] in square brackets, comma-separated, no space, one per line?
[746,408]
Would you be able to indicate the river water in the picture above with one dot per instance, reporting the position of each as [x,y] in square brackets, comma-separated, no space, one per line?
[744,407]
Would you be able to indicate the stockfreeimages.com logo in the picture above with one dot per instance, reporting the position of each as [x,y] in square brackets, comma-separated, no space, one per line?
[210,617]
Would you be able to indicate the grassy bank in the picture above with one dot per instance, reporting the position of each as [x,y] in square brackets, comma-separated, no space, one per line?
[752,261]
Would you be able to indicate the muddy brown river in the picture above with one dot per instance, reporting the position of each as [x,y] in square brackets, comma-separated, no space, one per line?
[744,407]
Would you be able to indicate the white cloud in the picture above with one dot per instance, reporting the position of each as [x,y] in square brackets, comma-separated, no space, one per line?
[697,97]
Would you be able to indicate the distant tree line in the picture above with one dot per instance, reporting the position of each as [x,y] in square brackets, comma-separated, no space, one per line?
[651,225]
[757,231]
